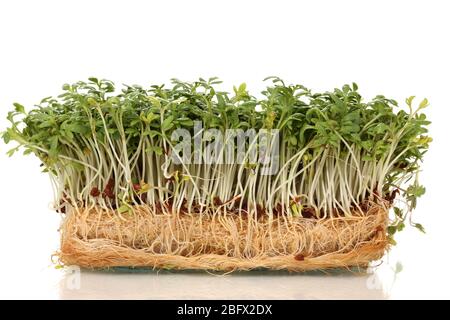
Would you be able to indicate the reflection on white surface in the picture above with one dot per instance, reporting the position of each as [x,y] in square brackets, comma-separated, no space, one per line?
[201,285]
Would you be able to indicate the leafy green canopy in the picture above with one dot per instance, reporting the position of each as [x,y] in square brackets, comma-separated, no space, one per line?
[337,151]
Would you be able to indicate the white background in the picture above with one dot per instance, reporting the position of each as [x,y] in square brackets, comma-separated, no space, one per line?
[395,48]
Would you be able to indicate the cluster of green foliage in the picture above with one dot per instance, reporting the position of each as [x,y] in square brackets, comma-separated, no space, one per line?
[386,140]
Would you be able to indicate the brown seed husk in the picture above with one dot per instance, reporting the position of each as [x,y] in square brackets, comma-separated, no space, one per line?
[99,238]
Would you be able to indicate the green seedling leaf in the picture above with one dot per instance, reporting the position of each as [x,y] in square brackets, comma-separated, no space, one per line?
[155,102]
[12,151]
[19,108]
[409,101]
[419,227]
[167,123]
[398,267]
[6,137]
[423,103]
[398,212]
[391,230]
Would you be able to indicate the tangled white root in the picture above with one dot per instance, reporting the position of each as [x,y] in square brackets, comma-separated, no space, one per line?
[99,238]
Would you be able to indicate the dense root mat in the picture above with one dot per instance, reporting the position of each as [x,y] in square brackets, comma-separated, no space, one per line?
[98,238]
